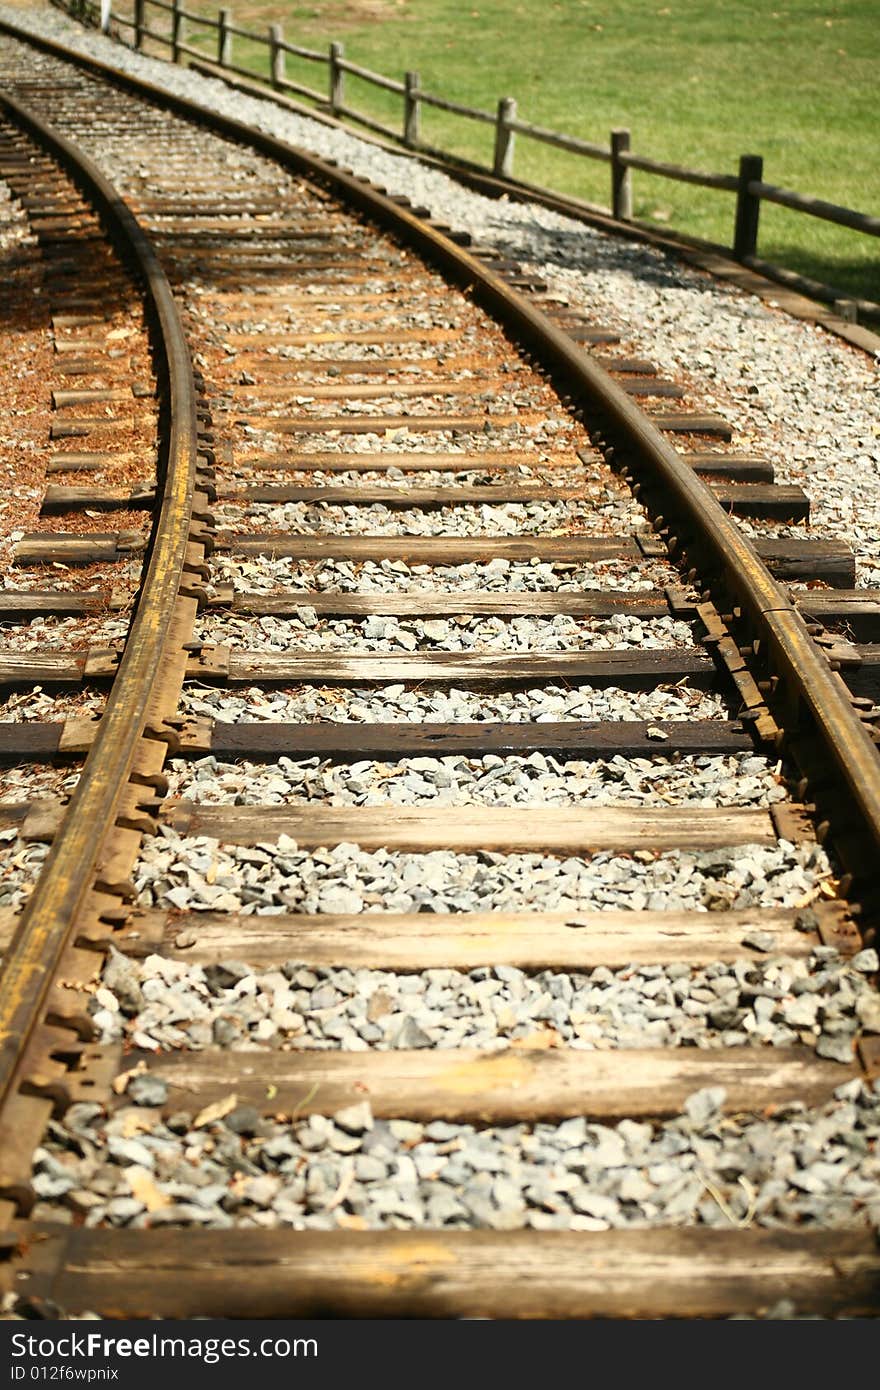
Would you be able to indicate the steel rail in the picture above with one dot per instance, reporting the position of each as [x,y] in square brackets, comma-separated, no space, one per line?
[61,890]
[808,679]
[133,1273]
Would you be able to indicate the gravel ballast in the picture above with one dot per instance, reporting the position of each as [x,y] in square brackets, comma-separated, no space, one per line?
[398,577]
[20,865]
[497,519]
[198,873]
[799,1169]
[65,634]
[37,705]
[307,632]
[166,1004]
[400,703]
[537,779]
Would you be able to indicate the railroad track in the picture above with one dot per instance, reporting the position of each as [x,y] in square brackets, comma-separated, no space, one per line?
[319,1002]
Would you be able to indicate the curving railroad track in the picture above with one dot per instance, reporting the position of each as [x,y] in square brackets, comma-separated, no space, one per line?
[400,482]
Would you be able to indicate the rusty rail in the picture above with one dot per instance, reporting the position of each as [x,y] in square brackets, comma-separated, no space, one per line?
[64,885]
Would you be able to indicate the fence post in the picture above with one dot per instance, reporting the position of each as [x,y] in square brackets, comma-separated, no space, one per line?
[106,15]
[276,54]
[504,138]
[846,309]
[337,78]
[176,30]
[748,207]
[412,108]
[139,24]
[621,177]
[224,38]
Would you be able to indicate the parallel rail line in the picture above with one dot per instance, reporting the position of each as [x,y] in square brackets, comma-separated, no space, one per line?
[232,249]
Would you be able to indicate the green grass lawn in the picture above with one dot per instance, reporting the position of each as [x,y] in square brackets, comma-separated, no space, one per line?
[698,82]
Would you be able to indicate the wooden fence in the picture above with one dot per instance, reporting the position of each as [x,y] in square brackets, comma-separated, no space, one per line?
[127,19]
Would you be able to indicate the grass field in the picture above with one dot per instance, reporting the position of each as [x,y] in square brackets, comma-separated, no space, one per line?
[697,81]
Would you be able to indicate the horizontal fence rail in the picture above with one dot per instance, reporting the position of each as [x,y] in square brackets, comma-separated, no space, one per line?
[129,17]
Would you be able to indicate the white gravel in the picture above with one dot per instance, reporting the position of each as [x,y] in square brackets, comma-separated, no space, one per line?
[308,632]
[399,702]
[397,577]
[167,1004]
[496,519]
[548,433]
[20,864]
[30,781]
[64,634]
[798,1168]
[200,874]
[538,779]
[23,706]
[461,442]
[396,479]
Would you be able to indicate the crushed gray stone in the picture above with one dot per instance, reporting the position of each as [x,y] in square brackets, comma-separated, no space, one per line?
[798,1169]
[197,873]
[20,865]
[170,1004]
[495,519]
[396,576]
[460,633]
[401,703]
[536,779]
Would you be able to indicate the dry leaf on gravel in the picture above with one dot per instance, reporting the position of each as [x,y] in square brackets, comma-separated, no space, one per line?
[145,1190]
[133,1122]
[543,1038]
[122,1080]
[215,1111]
